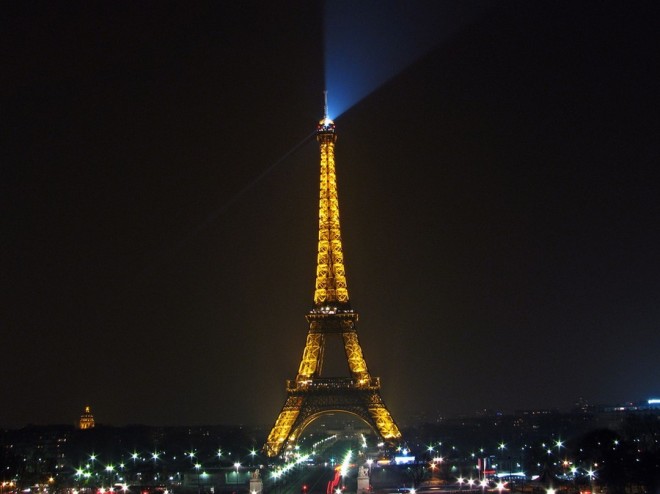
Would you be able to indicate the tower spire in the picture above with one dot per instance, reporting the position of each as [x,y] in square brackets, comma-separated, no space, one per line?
[325,106]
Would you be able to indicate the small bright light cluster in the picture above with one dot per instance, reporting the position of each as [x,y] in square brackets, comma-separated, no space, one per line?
[346,463]
[280,472]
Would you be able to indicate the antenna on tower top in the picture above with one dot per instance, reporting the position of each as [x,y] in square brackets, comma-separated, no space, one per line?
[325,105]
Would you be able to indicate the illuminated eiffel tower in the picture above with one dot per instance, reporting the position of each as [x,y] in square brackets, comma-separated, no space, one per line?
[311,395]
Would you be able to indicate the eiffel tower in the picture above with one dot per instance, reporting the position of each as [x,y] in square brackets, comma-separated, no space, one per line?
[311,394]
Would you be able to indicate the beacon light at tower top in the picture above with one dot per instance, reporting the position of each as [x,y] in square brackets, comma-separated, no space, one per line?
[326,125]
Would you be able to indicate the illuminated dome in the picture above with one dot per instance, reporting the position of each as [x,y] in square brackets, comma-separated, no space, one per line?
[87,419]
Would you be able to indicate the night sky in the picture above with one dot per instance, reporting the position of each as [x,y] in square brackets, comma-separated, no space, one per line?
[499,199]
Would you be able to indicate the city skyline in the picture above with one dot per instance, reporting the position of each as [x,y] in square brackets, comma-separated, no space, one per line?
[499,202]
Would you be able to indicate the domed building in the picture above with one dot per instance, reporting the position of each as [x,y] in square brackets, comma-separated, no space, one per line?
[87,419]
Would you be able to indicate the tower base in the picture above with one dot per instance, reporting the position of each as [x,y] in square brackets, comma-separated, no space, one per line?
[307,401]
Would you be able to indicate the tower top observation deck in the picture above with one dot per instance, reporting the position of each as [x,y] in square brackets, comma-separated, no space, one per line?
[325,126]
[325,130]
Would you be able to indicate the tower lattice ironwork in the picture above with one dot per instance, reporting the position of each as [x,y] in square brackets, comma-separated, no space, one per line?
[311,394]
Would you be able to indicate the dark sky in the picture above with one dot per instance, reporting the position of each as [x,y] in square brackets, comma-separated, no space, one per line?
[499,202]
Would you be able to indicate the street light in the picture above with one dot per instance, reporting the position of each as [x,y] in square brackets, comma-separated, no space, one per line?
[109,470]
[591,474]
[197,467]
[155,456]
[237,465]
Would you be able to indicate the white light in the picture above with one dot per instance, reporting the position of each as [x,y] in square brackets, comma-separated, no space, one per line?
[345,464]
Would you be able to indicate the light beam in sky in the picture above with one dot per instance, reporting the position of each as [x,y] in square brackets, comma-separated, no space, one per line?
[369,42]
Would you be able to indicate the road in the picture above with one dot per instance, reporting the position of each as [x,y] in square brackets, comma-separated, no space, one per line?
[306,479]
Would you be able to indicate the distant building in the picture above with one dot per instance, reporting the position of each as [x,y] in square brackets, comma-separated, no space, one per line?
[87,419]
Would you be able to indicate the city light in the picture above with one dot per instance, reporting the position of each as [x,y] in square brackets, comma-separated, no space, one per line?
[525,464]
[346,463]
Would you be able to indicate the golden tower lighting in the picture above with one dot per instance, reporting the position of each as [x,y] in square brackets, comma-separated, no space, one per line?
[311,394]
